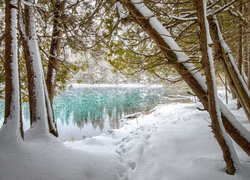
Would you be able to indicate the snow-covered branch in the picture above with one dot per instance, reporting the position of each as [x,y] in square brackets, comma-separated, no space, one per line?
[183,18]
[238,15]
[222,8]
[120,11]
[28,3]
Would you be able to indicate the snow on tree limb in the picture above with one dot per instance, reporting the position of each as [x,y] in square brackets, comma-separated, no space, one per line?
[222,8]
[194,80]
[231,58]
[122,15]
[229,153]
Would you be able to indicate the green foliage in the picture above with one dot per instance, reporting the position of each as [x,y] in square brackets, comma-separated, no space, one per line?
[125,45]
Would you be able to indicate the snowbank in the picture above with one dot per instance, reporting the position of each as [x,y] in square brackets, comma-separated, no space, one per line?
[173,142]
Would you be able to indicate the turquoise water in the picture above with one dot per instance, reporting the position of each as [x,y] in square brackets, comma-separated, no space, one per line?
[88,111]
[95,104]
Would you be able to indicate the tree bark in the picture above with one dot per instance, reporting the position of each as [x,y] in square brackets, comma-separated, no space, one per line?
[53,62]
[188,76]
[19,73]
[231,86]
[55,47]
[11,123]
[248,40]
[38,114]
[236,83]
[207,63]
[37,98]
[240,48]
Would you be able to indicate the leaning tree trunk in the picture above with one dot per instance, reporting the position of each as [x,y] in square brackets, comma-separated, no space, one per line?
[230,68]
[193,79]
[11,125]
[38,111]
[207,63]
[51,118]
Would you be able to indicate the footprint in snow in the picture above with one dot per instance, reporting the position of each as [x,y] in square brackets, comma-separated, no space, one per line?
[131,165]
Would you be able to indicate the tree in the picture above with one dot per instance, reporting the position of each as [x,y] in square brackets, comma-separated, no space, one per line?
[11,125]
[36,82]
[228,62]
[224,141]
[180,61]
[248,40]
[55,46]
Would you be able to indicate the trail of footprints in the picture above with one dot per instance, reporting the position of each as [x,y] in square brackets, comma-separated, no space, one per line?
[131,147]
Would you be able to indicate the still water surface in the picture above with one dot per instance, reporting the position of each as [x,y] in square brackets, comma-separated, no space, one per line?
[89,111]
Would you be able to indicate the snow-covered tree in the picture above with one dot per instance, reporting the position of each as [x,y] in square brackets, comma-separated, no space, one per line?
[207,61]
[11,126]
[40,106]
[173,53]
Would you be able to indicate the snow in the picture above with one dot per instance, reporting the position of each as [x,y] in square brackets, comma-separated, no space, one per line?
[184,18]
[122,15]
[183,57]
[211,64]
[223,8]
[157,25]
[173,142]
[241,129]
[209,39]
[166,36]
[144,10]
[231,58]
[223,108]
[10,130]
[48,106]
[40,127]
[53,76]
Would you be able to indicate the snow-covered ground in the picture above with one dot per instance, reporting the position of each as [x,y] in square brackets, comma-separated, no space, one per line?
[174,142]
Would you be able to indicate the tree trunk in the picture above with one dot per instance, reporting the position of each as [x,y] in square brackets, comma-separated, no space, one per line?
[11,125]
[207,63]
[240,48]
[38,111]
[20,89]
[55,47]
[193,79]
[231,85]
[19,73]
[240,40]
[226,91]
[51,119]
[53,63]
[232,71]
[248,40]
